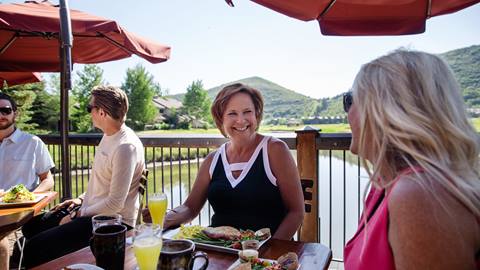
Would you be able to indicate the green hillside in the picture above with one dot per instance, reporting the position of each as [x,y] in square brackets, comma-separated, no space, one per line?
[465,63]
[279,101]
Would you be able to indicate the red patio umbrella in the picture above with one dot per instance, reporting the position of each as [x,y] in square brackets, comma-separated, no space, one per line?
[366,17]
[19,77]
[29,39]
[37,36]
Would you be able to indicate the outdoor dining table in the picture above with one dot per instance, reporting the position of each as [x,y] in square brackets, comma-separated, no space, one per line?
[311,256]
[13,217]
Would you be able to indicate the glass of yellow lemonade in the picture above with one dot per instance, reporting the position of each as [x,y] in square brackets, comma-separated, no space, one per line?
[147,244]
[157,205]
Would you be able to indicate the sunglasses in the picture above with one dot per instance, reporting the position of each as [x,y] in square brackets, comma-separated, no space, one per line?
[347,101]
[90,108]
[6,110]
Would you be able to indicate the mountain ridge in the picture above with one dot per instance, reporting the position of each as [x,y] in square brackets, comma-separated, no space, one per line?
[281,102]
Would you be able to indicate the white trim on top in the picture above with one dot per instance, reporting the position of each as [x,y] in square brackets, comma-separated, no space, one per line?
[214,162]
[266,165]
[228,171]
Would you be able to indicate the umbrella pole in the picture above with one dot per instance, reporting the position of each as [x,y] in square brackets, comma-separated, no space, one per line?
[66,41]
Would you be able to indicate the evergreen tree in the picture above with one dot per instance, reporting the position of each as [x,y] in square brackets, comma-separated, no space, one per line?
[89,77]
[140,88]
[196,102]
[45,110]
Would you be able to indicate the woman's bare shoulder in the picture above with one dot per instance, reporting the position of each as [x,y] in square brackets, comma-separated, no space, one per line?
[276,145]
[426,219]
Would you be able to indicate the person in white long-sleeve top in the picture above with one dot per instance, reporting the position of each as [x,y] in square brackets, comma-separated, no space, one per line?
[112,188]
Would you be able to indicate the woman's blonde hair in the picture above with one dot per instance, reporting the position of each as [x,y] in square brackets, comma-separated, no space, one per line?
[412,114]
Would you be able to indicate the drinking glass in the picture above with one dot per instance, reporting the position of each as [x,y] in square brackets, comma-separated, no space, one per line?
[157,205]
[147,244]
[105,219]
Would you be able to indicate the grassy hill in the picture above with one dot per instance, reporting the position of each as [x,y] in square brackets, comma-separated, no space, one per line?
[465,63]
[281,102]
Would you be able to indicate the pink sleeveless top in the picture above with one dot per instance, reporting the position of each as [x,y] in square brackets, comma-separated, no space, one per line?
[374,252]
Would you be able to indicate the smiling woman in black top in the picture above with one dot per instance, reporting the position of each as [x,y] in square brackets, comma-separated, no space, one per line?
[251,181]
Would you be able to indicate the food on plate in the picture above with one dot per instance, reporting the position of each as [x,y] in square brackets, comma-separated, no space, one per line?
[263,234]
[224,236]
[222,232]
[288,261]
[244,266]
[18,193]
[188,232]
[247,255]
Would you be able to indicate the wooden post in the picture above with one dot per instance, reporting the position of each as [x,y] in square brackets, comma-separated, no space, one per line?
[307,162]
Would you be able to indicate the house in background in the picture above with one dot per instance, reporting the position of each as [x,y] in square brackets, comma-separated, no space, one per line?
[166,106]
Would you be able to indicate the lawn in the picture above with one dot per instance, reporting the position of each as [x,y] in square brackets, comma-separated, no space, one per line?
[327,128]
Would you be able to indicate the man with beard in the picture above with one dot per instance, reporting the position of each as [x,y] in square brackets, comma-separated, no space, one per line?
[24,158]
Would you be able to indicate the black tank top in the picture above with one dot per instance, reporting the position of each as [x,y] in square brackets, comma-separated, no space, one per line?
[254,203]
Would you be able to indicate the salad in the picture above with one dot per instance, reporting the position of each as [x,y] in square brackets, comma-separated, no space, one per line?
[18,193]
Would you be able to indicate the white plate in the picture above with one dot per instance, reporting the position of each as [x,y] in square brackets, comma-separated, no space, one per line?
[170,233]
[237,263]
[83,266]
[38,197]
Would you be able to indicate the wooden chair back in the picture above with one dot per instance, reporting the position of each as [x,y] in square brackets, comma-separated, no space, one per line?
[142,189]
[307,185]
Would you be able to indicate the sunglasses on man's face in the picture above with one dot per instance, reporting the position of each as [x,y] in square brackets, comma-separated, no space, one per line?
[90,108]
[6,110]
[347,101]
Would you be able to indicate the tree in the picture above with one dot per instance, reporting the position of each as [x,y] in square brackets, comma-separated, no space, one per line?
[140,88]
[196,102]
[89,77]
[24,97]
[46,108]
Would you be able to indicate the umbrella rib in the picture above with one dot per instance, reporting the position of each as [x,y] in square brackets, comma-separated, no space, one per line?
[22,33]
[7,45]
[116,43]
[429,10]
[330,5]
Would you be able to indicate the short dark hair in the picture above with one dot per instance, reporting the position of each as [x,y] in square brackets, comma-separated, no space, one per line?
[223,97]
[9,98]
[112,100]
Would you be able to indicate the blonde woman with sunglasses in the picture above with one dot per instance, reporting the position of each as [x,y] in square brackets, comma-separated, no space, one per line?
[410,128]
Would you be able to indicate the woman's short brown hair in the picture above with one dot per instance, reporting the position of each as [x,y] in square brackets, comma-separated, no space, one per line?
[224,96]
[112,100]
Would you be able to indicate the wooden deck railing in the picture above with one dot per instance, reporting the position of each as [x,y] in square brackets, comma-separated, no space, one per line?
[174,160]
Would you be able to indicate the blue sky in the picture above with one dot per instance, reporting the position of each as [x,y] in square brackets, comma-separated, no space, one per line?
[217,44]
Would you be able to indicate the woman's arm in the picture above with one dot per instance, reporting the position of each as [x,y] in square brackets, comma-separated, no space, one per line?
[288,181]
[429,228]
[195,200]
